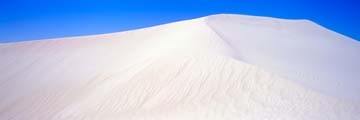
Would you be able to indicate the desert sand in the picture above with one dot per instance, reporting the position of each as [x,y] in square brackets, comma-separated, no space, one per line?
[219,67]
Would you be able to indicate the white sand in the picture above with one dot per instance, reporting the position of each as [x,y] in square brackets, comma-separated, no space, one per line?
[220,67]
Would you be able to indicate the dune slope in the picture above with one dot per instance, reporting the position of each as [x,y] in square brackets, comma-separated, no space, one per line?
[217,67]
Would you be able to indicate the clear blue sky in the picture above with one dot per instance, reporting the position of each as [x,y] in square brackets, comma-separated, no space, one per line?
[40,19]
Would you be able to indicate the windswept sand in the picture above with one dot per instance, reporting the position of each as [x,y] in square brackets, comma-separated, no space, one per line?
[220,67]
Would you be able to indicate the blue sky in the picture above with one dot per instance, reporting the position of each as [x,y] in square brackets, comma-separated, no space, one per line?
[22,20]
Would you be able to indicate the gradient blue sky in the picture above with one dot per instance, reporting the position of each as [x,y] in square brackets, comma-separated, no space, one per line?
[41,19]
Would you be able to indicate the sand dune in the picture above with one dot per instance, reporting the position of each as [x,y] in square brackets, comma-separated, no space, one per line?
[220,67]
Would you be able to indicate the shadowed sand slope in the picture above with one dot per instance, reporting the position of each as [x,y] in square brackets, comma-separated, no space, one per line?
[196,69]
[299,50]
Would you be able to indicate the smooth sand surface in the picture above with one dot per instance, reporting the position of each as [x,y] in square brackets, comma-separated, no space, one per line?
[220,67]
